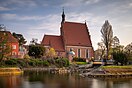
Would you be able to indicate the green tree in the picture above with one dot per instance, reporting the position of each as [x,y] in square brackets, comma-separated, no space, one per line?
[128,51]
[34,41]
[20,38]
[115,42]
[107,36]
[120,57]
[36,51]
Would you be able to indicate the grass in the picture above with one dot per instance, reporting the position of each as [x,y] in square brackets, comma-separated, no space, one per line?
[81,63]
[124,67]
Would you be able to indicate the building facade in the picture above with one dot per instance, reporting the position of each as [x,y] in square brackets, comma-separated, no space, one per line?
[8,40]
[73,36]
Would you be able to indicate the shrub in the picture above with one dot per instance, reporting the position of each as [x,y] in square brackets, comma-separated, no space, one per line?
[21,62]
[26,56]
[51,61]
[11,62]
[45,63]
[62,62]
[32,63]
[79,59]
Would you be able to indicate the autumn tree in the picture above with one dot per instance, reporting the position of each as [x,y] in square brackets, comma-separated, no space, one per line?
[51,52]
[107,36]
[101,49]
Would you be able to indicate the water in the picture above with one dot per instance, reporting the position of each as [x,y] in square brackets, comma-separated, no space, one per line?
[32,79]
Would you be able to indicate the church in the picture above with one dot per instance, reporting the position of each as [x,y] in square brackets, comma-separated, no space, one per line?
[73,36]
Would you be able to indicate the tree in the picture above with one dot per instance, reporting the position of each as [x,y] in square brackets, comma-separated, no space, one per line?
[36,51]
[128,51]
[128,48]
[34,41]
[4,47]
[107,36]
[115,42]
[20,39]
[101,49]
[51,53]
[120,57]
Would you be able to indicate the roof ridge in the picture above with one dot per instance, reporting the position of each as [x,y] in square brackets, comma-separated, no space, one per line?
[74,22]
[52,35]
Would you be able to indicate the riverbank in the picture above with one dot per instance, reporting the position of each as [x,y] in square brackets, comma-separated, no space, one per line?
[110,72]
[10,71]
[71,69]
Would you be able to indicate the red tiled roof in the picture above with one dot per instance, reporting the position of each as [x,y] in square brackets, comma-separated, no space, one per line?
[53,41]
[76,34]
[10,37]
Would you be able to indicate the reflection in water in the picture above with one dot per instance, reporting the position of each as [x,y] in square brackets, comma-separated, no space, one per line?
[32,79]
[10,81]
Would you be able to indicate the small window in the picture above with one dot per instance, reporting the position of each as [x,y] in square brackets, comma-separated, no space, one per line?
[13,46]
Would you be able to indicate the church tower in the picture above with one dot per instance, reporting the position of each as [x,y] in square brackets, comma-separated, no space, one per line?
[63,17]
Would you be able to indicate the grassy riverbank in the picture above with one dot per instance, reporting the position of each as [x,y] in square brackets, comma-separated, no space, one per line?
[123,67]
[110,72]
[117,69]
[10,71]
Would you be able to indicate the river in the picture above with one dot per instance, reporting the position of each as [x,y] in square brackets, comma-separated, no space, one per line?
[33,79]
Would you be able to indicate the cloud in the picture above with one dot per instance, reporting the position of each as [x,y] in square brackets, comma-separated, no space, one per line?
[120,7]
[8,16]
[71,3]
[27,3]
[91,1]
[4,8]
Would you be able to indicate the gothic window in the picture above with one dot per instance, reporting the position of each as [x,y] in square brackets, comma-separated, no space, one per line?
[79,52]
[87,53]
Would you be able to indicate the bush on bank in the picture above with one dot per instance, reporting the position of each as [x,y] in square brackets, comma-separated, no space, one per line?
[58,62]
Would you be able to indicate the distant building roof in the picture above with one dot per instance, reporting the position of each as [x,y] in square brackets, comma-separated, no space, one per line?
[76,34]
[10,37]
[53,41]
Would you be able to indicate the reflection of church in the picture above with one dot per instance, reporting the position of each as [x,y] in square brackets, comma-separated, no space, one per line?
[73,36]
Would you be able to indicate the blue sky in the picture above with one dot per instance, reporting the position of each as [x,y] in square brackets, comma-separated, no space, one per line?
[34,18]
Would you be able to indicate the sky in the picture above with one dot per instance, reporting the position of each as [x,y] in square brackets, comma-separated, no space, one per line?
[34,18]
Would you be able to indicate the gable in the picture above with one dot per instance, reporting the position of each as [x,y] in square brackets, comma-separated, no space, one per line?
[54,42]
[9,36]
[76,34]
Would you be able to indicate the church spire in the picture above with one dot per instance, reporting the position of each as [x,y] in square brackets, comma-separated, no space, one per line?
[63,16]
